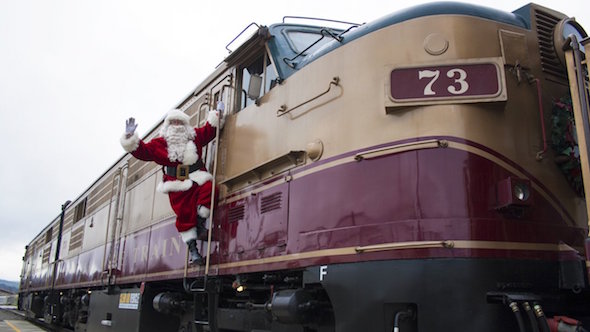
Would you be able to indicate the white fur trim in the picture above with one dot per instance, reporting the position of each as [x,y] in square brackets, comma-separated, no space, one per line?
[188,235]
[176,185]
[213,118]
[190,131]
[130,144]
[200,177]
[177,115]
[204,212]
[190,154]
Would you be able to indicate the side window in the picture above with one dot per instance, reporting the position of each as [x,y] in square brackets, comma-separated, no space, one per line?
[258,77]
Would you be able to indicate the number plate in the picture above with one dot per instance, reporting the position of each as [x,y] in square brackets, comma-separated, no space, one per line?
[455,81]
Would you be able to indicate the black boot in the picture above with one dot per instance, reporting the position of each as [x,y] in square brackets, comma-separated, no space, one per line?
[202,231]
[194,256]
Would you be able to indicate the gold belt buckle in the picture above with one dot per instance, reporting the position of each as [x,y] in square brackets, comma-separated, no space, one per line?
[182,172]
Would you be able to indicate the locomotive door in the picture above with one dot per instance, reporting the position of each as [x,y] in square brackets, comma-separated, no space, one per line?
[115,224]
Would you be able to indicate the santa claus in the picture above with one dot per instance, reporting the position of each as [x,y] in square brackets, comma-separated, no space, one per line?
[178,149]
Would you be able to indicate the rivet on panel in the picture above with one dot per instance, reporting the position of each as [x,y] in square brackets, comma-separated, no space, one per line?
[436,44]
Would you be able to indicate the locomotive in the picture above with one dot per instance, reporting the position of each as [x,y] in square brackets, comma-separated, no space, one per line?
[421,172]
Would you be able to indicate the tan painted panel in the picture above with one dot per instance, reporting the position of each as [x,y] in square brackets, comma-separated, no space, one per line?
[162,208]
[95,229]
[138,205]
[65,243]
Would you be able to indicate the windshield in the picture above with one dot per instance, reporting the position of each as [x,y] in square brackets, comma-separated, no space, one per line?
[300,40]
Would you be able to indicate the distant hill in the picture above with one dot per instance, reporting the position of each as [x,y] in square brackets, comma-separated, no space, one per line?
[9,285]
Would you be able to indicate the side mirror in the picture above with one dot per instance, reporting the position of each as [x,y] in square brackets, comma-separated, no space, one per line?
[254,86]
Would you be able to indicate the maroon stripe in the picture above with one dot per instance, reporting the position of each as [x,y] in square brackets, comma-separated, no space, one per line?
[410,140]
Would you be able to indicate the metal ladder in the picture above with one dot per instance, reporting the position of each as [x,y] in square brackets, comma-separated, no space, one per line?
[208,293]
[209,290]
[204,317]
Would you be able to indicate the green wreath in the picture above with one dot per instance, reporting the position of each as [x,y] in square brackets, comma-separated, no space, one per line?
[564,142]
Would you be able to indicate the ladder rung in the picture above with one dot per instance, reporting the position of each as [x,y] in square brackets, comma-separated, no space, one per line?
[201,322]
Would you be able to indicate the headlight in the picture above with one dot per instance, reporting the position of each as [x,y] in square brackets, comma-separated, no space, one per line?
[563,30]
[513,192]
[521,191]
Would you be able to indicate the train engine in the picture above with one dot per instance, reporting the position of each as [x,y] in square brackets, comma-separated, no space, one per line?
[421,172]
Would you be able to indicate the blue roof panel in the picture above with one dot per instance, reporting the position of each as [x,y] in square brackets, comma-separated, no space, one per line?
[436,8]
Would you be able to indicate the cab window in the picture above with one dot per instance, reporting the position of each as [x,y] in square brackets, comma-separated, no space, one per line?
[258,77]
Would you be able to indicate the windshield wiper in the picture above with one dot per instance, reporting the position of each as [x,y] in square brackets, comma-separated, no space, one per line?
[290,62]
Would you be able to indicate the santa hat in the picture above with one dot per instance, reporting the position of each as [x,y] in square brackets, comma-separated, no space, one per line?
[177,115]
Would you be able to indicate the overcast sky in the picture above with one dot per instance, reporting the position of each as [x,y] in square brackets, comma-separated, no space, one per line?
[72,71]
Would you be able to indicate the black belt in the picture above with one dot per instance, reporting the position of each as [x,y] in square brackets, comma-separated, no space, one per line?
[181,172]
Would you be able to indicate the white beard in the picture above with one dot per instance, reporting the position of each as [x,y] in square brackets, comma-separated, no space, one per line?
[176,138]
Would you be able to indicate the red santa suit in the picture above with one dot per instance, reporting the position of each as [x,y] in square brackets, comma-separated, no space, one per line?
[189,191]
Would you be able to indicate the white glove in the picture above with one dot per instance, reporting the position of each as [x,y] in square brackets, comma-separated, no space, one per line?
[221,113]
[130,127]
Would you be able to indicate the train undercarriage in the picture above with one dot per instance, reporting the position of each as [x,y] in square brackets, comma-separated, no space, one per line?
[402,295]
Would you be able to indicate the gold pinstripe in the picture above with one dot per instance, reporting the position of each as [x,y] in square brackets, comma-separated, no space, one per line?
[356,250]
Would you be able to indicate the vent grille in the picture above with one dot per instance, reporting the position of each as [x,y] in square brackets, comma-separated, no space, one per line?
[101,194]
[235,213]
[76,239]
[549,61]
[271,202]
[46,253]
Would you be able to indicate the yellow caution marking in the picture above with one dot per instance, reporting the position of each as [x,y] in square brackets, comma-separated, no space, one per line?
[12,326]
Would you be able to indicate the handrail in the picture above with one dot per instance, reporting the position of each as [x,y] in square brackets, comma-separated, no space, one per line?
[542,118]
[239,34]
[283,109]
[266,170]
[579,93]
[114,182]
[221,115]
[419,145]
[406,245]
[57,250]
[320,19]
[212,207]
[119,214]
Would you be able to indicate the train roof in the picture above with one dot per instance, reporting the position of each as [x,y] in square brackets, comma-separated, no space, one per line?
[281,50]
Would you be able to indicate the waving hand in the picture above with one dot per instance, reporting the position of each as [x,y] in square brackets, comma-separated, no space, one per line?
[130,127]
